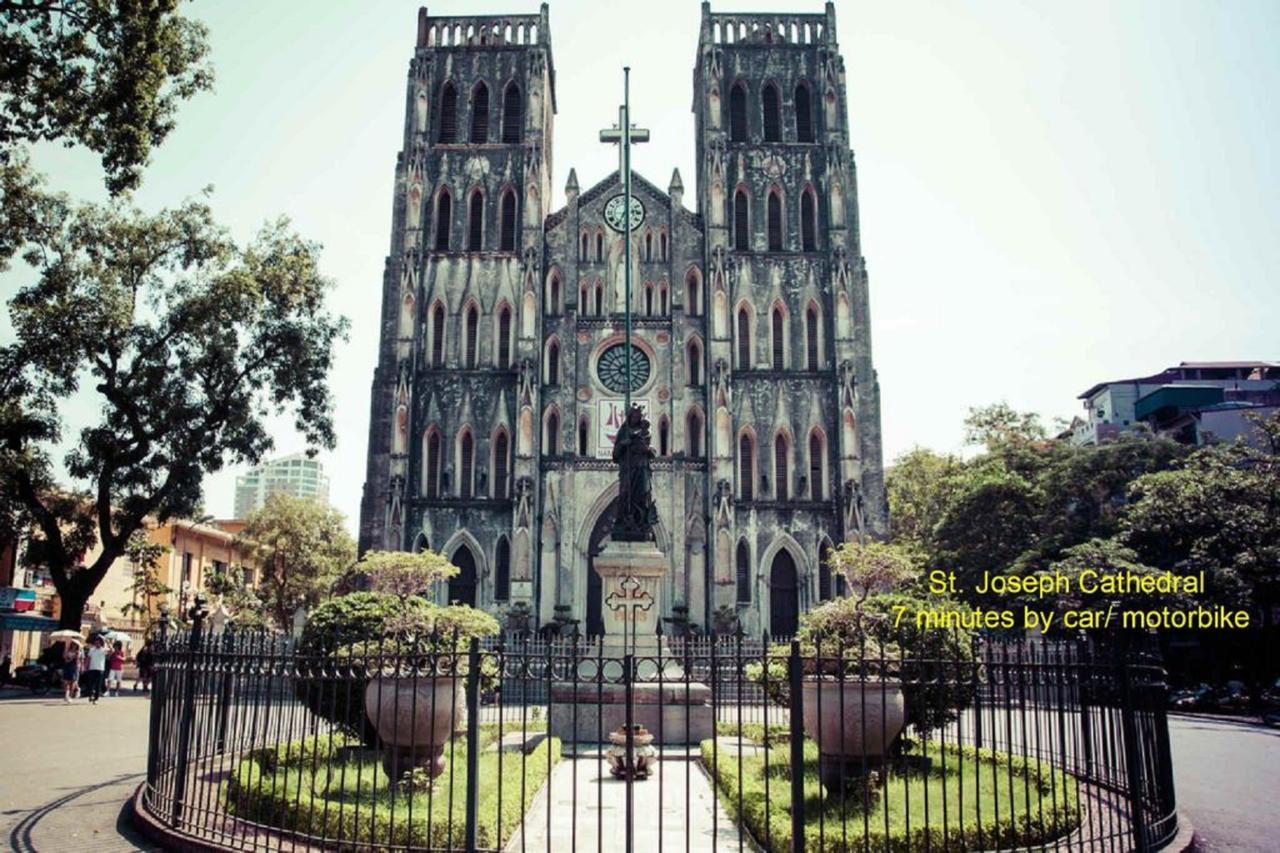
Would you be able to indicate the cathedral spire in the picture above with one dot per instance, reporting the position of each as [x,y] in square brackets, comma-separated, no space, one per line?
[571,185]
[676,189]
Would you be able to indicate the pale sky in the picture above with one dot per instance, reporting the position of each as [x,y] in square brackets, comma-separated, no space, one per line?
[1052,194]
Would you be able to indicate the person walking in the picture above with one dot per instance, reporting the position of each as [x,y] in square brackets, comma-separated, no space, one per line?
[70,671]
[144,662]
[95,668]
[115,668]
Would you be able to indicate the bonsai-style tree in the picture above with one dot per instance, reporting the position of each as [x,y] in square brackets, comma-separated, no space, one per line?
[402,574]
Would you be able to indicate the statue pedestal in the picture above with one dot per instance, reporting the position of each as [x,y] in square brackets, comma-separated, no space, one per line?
[673,709]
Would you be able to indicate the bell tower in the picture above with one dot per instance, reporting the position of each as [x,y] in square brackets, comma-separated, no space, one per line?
[460,302]
[795,420]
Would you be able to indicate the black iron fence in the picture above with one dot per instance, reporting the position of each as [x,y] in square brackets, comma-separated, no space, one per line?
[708,743]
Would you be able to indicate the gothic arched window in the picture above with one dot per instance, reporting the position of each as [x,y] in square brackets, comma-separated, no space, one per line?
[741,221]
[471,344]
[693,434]
[804,114]
[664,436]
[501,464]
[475,222]
[742,563]
[480,114]
[693,362]
[808,221]
[779,349]
[586,239]
[771,101]
[824,570]
[466,464]
[648,245]
[432,463]
[507,240]
[551,304]
[448,114]
[437,335]
[811,336]
[502,570]
[744,338]
[512,119]
[599,246]
[504,336]
[746,467]
[693,294]
[648,299]
[738,113]
[553,362]
[774,216]
[599,297]
[663,299]
[662,242]
[444,219]
[551,446]
[584,432]
[817,456]
[780,482]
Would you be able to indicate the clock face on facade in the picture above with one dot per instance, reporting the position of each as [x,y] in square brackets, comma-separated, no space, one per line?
[613,212]
[612,368]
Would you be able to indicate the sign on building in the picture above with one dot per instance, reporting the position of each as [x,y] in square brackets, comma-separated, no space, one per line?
[609,416]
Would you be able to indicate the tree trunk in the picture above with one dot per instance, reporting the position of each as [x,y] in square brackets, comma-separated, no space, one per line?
[74,597]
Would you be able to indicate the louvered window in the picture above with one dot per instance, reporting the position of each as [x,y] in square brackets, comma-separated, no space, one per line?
[480,114]
[448,114]
[512,117]
[772,114]
[804,114]
[775,222]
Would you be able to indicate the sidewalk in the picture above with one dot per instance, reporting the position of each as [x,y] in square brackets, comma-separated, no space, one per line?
[69,770]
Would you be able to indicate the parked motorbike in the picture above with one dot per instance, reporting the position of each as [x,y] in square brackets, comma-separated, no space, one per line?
[37,677]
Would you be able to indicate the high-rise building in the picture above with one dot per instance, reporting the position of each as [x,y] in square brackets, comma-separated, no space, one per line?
[501,374]
[294,475]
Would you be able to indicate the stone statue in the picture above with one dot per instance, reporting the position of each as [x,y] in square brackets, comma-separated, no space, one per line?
[636,511]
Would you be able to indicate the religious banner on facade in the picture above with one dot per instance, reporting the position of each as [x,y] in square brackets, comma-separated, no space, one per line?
[609,416]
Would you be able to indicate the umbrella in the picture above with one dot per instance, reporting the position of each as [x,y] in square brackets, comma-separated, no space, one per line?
[67,634]
[113,636]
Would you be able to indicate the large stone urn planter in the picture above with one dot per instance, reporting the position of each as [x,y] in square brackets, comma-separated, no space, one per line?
[853,722]
[415,717]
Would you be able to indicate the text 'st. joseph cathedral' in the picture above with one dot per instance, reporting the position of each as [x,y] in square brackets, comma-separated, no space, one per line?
[501,372]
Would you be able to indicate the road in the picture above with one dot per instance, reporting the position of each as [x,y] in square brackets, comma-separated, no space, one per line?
[67,771]
[1227,775]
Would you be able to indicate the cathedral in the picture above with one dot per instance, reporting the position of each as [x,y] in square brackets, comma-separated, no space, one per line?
[502,365]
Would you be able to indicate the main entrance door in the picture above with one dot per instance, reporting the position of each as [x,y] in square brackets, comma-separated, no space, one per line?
[784,601]
[462,586]
[599,537]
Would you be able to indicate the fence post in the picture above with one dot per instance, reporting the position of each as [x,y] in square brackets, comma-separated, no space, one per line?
[797,747]
[187,720]
[224,694]
[629,760]
[1132,747]
[473,741]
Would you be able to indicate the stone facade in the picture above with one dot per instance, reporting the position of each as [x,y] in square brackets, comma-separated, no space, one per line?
[499,375]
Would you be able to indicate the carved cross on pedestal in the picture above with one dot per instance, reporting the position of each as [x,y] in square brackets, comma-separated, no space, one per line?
[628,601]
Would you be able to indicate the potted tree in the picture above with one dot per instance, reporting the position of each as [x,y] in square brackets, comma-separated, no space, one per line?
[415,697]
[853,700]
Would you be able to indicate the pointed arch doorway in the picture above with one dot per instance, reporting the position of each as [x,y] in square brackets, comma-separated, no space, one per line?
[462,586]
[600,535]
[784,599]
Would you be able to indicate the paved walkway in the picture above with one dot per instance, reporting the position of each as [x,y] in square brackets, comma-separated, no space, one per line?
[68,770]
[675,810]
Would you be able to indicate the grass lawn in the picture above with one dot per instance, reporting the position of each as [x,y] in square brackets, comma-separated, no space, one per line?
[967,799]
[333,789]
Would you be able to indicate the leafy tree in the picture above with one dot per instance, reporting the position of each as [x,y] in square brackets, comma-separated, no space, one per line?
[1219,512]
[403,574]
[147,588]
[999,424]
[302,546]
[1103,557]
[921,486]
[106,74]
[231,589]
[188,341]
[994,518]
